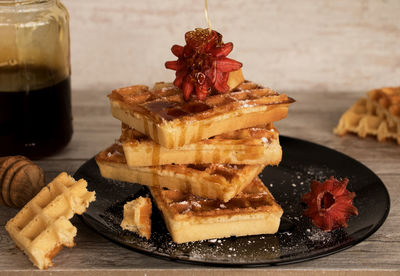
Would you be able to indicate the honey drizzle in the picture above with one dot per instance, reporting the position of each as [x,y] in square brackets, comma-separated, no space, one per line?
[156,183]
[183,137]
[206,13]
[155,134]
[200,133]
[156,155]
[146,126]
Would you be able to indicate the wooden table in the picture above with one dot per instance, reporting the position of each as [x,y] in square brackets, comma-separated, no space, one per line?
[312,117]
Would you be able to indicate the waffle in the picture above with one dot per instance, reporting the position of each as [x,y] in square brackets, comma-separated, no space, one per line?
[163,115]
[42,227]
[258,145]
[385,103]
[214,181]
[377,115]
[189,218]
[137,216]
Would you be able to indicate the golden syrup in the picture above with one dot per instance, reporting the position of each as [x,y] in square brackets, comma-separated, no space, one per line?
[188,187]
[146,126]
[155,133]
[182,138]
[195,107]
[225,174]
[206,14]
[113,153]
[160,108]
[38,122]
[172,110]
[156,155]
[155,177]
[199,133]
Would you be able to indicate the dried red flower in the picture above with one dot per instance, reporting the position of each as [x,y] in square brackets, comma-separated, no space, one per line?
[330,204]
[202,65]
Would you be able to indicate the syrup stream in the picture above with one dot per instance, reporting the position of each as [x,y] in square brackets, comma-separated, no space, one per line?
[206,13]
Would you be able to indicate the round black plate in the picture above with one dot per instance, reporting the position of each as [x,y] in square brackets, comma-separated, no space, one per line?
[297,240]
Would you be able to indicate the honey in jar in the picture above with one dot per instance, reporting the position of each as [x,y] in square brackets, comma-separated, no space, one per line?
[35,89]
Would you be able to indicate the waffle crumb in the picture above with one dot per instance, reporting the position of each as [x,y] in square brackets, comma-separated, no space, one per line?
[137,216]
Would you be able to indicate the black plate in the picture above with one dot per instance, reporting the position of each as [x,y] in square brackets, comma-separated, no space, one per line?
[298,240]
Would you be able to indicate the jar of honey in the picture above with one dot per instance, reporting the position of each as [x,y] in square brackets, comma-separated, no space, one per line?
[35,91]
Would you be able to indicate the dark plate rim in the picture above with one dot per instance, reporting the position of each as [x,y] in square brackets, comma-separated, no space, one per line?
[86,219]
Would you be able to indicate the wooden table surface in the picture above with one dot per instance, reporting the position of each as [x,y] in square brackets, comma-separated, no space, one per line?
[311,118]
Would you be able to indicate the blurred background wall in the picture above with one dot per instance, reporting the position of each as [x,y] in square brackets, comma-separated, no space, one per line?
[288,45]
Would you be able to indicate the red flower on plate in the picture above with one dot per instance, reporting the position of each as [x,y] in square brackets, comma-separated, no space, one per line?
[330,204]
[202,65]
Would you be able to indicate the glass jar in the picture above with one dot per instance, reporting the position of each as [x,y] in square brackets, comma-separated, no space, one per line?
[35,91]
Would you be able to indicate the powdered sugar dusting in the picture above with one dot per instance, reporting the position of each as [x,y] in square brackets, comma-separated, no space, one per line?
[298,239]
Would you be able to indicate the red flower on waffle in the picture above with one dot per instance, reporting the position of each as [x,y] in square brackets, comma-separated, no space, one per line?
[330,204]
[202,65]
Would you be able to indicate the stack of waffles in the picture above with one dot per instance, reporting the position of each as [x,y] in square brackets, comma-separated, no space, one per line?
[200,158]
[378,114]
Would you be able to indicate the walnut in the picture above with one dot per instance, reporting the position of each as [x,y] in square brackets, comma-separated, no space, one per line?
[20,180]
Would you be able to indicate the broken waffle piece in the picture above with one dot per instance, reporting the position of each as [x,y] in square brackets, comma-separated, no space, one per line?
[137,216]
[253,211]
[42,227]
[377,115]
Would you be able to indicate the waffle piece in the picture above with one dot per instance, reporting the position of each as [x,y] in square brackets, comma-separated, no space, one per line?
[137,216]
[258,145]
[378,115]
[214,181]
[189,218]
[163,115]
[42,227]
[385,103]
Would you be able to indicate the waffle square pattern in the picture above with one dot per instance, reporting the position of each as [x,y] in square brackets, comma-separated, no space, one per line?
[377,115]
[253,211]
[252,146]
[42,227]
[162,114]
[215,181]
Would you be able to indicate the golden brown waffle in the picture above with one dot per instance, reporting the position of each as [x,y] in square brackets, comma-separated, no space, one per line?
[215,181]
[162,114]
[378,115]
[137,216]
[258,145]
[189,218]
[42,227]
[385,103]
